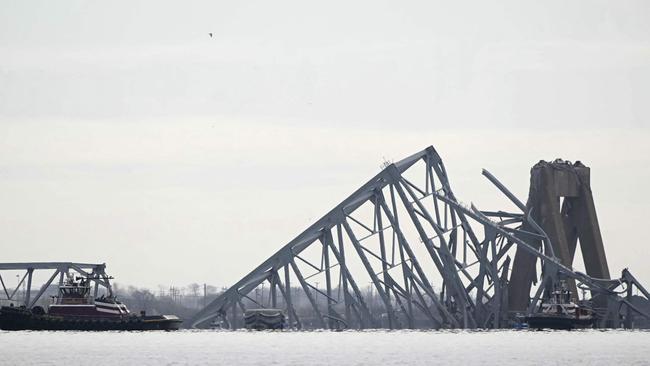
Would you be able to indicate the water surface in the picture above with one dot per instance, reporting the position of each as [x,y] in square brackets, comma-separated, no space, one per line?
[327,348]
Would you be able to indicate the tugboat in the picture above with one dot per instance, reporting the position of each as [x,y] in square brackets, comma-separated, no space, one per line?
[559,312]
[74,309]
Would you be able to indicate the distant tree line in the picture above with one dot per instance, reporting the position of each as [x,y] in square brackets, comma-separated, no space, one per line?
[183,301]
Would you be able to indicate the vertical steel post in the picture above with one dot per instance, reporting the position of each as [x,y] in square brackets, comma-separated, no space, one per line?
[28,291]
[328,280]
[344,278]
[272,290]
[287,296]
[628,310]
[382,249]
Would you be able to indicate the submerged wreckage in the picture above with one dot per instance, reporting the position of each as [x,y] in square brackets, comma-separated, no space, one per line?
[433,262]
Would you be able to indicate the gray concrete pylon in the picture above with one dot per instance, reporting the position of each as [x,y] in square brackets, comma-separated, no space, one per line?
[576,218]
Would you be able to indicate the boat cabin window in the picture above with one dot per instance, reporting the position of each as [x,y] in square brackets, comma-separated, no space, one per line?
[74,291]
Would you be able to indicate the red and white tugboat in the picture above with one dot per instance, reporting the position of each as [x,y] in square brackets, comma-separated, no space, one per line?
[559,312]
[74,309]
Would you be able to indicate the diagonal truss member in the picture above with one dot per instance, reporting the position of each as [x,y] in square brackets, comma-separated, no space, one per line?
[402,252]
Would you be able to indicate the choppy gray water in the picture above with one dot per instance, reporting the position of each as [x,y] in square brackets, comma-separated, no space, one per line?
[326,348]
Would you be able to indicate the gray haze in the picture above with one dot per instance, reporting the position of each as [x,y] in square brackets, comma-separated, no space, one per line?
[130,136]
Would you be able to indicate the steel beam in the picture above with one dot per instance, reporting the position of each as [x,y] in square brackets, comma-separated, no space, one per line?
[455,249]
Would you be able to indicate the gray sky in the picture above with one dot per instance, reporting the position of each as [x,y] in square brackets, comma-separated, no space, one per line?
[128,135]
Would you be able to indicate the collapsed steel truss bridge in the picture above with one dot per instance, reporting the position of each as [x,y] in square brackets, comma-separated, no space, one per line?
[429,260]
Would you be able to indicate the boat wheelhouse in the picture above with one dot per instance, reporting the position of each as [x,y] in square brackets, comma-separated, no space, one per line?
[74,298]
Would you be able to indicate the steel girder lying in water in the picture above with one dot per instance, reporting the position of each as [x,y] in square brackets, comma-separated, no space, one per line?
[430,261]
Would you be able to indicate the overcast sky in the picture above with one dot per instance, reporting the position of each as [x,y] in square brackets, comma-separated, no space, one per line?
[130,136]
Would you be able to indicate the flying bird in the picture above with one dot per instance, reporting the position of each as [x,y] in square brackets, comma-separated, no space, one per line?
[210,35]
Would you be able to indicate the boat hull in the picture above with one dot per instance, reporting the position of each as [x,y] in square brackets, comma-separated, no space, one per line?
[12,318]
[558,322]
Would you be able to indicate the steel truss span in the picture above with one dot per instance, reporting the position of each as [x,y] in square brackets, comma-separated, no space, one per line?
[403,252]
